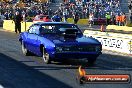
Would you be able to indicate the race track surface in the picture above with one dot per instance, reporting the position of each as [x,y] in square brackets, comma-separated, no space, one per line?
[19,71]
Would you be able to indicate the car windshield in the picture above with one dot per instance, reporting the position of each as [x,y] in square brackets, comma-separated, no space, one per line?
[57,28]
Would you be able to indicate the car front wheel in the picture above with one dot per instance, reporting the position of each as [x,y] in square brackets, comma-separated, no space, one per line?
[24,49]
[46,57]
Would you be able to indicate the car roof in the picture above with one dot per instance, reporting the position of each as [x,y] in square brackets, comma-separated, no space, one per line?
[41,15]
[52,23]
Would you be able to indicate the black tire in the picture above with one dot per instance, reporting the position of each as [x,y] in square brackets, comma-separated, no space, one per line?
[46,57]
[24,49]
[91,61]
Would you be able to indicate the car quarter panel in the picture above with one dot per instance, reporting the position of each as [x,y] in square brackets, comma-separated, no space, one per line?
[48,45]
[23,37]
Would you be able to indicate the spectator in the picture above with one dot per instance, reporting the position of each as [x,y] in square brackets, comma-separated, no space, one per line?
[17,20]
[76,18]
[6,16]
[130,7]
[123,17]
[120,19]
[91,19]
[117,19]
[46,19]
[108,17]
[10,15]
[24,16]
[131,18]
[113,18]
[50,13]
[65,17]
[56,18]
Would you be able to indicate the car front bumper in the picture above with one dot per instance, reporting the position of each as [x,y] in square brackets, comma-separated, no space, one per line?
[75,55]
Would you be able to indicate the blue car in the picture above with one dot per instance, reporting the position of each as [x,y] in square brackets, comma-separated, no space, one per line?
[59,41]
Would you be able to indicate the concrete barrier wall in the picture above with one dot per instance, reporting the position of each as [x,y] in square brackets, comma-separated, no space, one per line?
[70,20]
[124,28]
[25,25]
[123,45]
[80,22]
[10,26]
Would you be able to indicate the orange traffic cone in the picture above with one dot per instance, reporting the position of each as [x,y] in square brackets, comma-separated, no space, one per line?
[102,28]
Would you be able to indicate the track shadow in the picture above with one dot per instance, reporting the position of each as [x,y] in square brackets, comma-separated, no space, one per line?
[67,64]
[103,62]
[73,62]
[114,62]
[15,74]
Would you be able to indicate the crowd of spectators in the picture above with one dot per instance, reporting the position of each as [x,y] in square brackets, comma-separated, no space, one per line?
[108,9]
[130,11]
[8,10]
[98,7]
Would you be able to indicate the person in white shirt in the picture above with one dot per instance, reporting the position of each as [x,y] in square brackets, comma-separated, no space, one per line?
[91,19]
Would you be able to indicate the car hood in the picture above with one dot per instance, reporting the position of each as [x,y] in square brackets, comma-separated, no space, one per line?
[56,39]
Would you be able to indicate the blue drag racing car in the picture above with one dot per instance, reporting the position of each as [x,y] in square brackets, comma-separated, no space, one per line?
[59,41]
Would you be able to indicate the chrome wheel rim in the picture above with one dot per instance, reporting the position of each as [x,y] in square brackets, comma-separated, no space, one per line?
[23,49]
[45,57]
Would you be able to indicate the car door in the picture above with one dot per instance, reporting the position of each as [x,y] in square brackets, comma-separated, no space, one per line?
[36,42]
[32,38]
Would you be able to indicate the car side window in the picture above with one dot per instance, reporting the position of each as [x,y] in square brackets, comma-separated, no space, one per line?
[47,29]
[31,30]
[34,30]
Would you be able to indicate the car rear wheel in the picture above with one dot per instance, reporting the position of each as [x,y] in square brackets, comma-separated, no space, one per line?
[46,57]
[24,49]
[91,61]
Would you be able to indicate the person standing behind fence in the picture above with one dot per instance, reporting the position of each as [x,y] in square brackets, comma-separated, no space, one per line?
[117,19]
[10,15]
[131,18]
[120,20]
[65,17]
[76,18]
[91,20]
[46,19]
[17,19]
[56,18]
[6,16]
[123,17]
[113,18]
[108,17]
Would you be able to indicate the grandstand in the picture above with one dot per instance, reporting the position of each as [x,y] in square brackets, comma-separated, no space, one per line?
[123,5]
